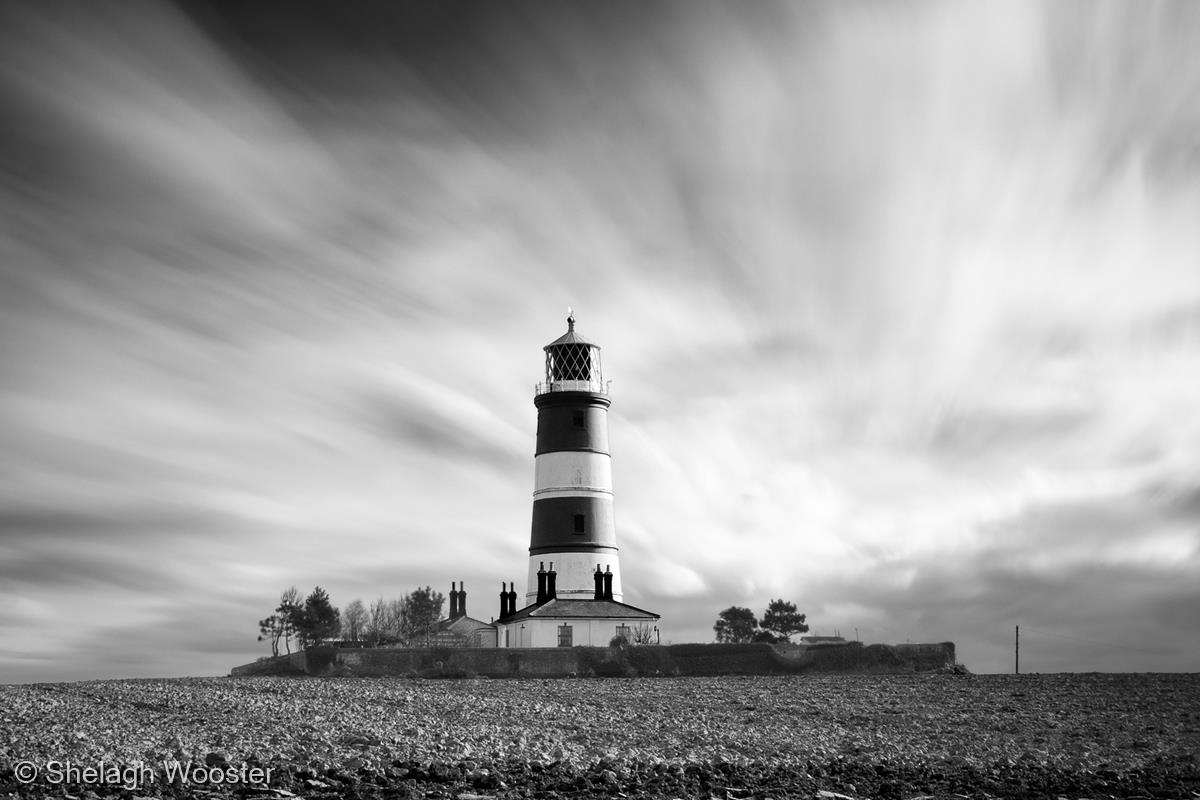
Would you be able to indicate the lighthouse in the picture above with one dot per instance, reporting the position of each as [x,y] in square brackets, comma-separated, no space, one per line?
[573,593]
[573,533]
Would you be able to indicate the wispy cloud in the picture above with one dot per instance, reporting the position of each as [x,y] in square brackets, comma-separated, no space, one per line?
[900,304]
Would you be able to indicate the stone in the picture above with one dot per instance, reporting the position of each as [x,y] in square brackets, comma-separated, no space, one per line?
[361,739]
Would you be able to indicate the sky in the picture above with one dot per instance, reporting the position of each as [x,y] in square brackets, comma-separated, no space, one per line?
[900,302]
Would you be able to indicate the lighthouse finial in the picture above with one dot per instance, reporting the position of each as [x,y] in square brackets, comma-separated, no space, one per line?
[570,319]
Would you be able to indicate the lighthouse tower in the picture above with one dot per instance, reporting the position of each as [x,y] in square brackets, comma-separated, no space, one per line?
[573,534]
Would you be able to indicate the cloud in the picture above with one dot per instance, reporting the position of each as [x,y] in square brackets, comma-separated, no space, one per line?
[899,304]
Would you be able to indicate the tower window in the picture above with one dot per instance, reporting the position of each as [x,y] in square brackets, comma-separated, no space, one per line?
[577,419]
[579,524]
[564,635]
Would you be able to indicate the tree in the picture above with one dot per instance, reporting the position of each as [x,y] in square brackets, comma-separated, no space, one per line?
[643,634]
[375,630]
[782,620]
[419,613]
[270,629]
[393,620]
[289,611]
[354,621]
[384,624]
[319,619]
[281,626]
[736,625]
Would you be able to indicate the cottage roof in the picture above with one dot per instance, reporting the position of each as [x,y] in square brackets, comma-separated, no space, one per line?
[463,625]
[581,609]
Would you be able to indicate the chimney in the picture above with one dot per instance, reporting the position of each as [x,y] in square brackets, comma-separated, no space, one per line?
[453,601]
[541,593]
[607,584]
[598,576]
[503,600]
[512,598]
[551,579]
[462,598]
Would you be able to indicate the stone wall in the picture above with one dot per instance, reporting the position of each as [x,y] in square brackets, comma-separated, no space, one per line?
[872,658]
[457,662]
[545,662]
[291,664]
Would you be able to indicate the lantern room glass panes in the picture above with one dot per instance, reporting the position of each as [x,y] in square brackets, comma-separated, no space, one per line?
[574,363]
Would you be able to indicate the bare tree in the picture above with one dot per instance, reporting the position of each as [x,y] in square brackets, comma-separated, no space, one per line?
[289,611]
[354,621]
[642,634]
[394,620]
[376,625]
[407,620]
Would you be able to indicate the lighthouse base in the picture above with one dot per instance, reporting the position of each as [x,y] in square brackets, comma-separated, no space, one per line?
[576,570]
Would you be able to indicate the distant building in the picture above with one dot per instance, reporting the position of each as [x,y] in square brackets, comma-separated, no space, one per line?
[818,640]
[579,601]
[459,630]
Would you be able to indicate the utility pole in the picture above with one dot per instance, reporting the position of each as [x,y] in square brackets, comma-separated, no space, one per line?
[1017,650]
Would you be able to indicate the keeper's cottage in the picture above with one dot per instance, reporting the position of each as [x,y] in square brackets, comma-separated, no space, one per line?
[573,591]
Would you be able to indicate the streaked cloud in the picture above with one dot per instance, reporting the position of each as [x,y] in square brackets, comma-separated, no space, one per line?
[900,303]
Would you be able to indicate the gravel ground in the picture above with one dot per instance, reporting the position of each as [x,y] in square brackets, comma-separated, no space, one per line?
[909,736]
